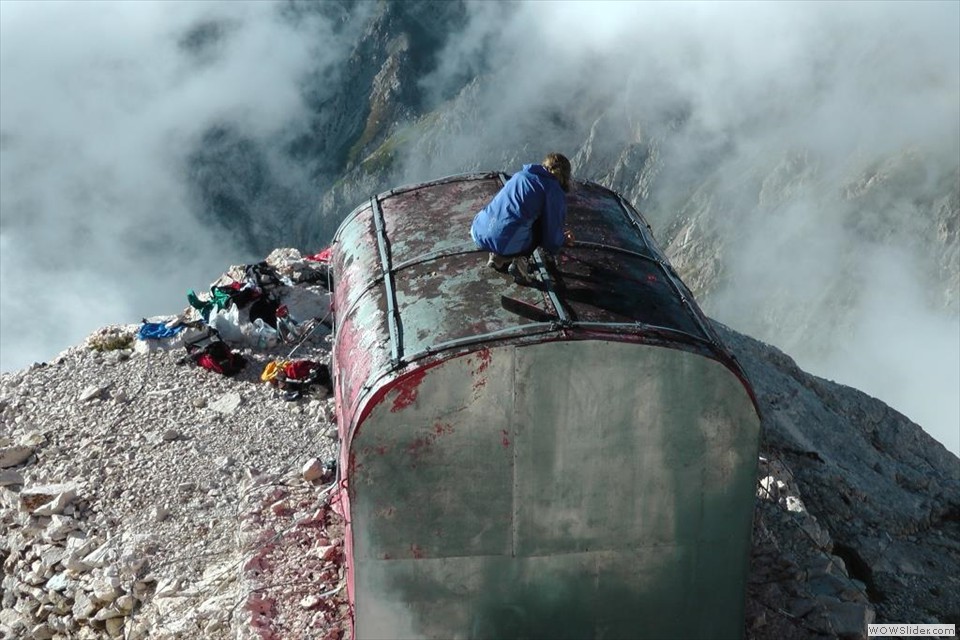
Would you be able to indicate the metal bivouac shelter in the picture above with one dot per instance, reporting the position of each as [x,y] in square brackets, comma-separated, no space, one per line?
[570,458]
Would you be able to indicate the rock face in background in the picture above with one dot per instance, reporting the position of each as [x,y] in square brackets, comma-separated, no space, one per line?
[868,522]
[378,121]
[780,211]
[266,196]
[142,498]
[775,234]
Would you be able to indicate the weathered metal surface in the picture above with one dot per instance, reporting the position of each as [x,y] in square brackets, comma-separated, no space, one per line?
[600,216]
[449,210]
[577,453]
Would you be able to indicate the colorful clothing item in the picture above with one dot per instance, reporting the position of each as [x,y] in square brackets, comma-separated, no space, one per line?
[529,211]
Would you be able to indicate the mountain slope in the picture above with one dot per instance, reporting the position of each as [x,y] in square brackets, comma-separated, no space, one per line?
[193,517]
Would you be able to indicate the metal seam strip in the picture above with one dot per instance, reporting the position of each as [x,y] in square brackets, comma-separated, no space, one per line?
[541,263]
[686,303]
[633,220]
[460,249]
[393,314]
[669,276]
[607,247]
[537,328]
[457,177]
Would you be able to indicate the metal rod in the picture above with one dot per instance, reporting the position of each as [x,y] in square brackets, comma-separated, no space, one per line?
[607,247]
[459,177]
[537,328]
[636,223]
[541,264]
[691,309]
[393,314]
[456,250]
[649,239]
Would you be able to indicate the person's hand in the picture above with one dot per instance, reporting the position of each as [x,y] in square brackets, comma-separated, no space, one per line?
[568,238]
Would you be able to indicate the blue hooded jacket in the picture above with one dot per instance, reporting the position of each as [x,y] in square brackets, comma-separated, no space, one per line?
[506,226]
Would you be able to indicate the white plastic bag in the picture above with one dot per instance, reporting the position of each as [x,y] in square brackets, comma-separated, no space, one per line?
[227,323]
[260,335]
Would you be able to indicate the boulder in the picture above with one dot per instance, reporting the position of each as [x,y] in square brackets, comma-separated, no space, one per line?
[47,500]
[14,455]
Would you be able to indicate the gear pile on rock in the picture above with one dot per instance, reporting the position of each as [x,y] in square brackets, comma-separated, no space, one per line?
[143,496]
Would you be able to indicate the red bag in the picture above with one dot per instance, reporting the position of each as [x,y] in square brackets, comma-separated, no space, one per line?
[299,369]
[218,357]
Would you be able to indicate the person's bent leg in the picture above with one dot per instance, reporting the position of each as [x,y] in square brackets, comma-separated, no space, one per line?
[500,263]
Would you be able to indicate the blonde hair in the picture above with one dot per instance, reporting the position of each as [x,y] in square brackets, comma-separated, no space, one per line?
[559,166]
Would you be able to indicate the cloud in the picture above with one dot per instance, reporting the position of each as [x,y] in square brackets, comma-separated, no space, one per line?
[100,105]
[900,349]
[821,135]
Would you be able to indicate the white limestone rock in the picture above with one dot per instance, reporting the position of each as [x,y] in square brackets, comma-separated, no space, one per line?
[10,477]
[115,627]
[42,631]
[59,582]
[312,470]
[49,499]
[105,588]
[14,455]
[226,404]
[94,391]
[100,556]
[84,606]
[60,526]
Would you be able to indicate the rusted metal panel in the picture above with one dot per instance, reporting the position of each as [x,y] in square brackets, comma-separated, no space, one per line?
[423,262]
[449,208]
[360,311]
[599,216]
[602,285]
[449,299]
[414,439]
[578,450]
[601,486]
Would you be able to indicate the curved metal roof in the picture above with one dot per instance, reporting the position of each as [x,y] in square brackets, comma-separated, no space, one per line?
[411,285]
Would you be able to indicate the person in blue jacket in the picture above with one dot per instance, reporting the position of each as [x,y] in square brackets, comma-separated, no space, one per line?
[528,212]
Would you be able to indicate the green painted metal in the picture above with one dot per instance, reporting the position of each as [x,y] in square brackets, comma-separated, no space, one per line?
[585,471]
[573,489]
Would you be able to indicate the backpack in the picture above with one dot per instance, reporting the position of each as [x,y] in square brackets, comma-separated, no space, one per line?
[210,352]
[300,370]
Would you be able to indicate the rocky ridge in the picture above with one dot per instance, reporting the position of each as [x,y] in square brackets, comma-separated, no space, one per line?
[145,498]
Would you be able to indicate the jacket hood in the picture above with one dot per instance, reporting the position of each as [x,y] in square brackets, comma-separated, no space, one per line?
[537,169]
